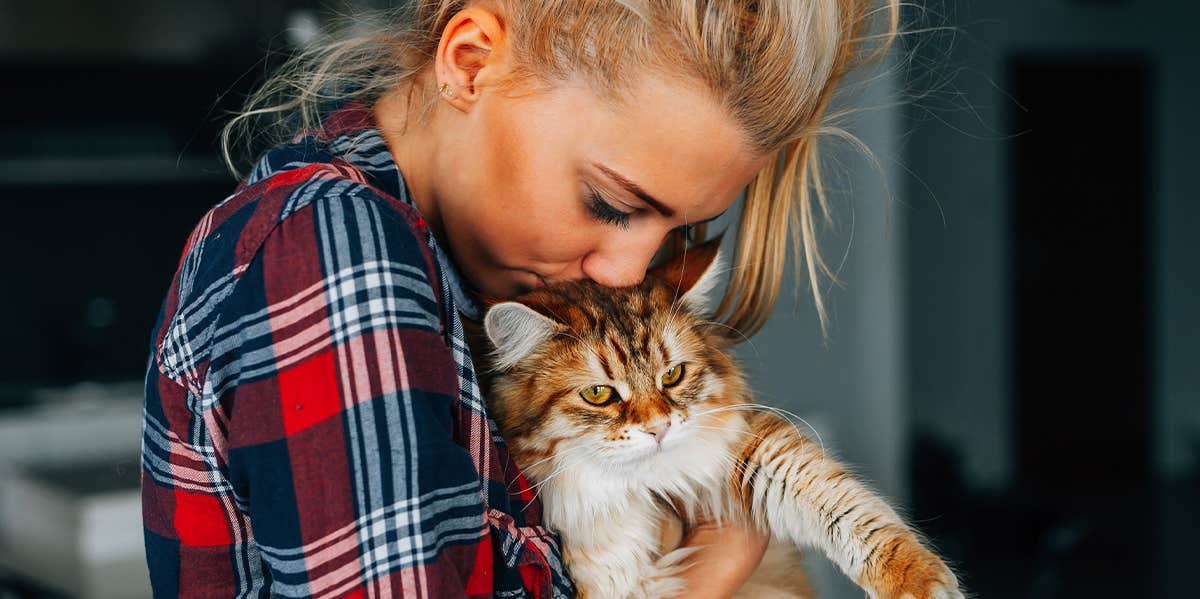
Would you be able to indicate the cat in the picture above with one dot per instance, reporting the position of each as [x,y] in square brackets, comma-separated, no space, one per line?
[623,408]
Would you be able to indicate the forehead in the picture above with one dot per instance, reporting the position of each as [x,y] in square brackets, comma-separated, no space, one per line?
[670,137]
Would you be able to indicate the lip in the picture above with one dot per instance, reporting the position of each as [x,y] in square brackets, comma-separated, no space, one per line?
[529,281]
[541,281]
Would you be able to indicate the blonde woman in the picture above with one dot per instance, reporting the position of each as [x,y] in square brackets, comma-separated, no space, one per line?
[313,426]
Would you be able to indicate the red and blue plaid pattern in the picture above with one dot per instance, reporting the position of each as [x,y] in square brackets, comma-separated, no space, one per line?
[313,425]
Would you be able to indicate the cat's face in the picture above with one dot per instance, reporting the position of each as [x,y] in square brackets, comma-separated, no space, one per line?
[614,377]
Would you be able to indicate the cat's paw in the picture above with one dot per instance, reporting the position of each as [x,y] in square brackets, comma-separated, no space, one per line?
[941,589]
[910,571]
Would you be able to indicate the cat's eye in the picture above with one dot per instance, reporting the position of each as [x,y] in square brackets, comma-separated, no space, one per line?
[599,395]
[673,375]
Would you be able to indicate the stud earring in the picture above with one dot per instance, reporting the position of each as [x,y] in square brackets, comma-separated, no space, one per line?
[447,90]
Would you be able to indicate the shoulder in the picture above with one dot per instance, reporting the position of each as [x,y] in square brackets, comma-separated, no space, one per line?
[316,232]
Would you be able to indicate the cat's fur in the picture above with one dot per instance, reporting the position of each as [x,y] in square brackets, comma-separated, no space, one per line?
[607,483]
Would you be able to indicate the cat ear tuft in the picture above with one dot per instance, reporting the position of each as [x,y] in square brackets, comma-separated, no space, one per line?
[696,273]
[515,330]
[700,296]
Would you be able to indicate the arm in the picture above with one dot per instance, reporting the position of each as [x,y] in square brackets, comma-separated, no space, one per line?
[367,488]
[331,435]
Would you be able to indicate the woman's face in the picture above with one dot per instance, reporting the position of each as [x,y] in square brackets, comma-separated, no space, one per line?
[561,185]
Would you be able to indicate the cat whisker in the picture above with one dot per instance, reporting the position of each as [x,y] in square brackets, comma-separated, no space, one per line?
[730,266]
[730,429]
[552,456]
[675,297]
[676,304]
[566,464]
[731,461]
[561,453]
[719,273]
[736,330]
[785,414]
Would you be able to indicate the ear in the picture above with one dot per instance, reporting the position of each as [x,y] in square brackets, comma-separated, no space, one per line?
[515,330]
[472,52]
[695,273]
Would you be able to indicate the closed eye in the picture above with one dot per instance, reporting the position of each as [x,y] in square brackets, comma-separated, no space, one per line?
[605,212]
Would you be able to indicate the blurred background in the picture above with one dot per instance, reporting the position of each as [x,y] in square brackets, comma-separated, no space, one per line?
[1013,359]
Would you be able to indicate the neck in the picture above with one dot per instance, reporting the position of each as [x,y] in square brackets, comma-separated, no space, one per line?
[414,146]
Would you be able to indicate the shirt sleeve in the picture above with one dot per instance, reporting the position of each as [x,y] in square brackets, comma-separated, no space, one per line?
[335,393]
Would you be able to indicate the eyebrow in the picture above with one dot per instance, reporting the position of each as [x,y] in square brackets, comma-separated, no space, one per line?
[636,190]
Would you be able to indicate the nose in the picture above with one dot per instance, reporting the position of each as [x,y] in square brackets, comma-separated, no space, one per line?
[658,430]
[623,259]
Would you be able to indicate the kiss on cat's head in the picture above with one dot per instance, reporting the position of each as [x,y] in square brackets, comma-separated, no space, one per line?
[614,370]
[623,406]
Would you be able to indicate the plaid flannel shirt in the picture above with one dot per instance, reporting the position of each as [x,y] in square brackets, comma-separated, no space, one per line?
[312,424]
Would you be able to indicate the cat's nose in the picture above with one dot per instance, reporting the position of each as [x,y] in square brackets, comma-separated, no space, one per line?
[657,430]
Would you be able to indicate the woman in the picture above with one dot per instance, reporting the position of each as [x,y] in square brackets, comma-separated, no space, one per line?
[313,426]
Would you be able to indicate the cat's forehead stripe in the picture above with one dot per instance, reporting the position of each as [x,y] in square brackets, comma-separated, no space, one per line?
[625,327]
[670,345]
[617,347]
[603,359]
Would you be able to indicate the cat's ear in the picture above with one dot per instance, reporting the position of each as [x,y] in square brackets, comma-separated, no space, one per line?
[695,273]
[515,330]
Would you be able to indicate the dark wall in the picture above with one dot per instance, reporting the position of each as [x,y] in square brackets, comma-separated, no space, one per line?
[108,157]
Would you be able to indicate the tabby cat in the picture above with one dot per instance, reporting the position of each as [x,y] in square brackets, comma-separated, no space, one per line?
[623,408]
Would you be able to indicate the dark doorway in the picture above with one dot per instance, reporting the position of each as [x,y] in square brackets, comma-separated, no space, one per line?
[1080,202]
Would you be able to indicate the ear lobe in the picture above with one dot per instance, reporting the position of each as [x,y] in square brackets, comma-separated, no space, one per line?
[695,273]
[474,38]
[515,331]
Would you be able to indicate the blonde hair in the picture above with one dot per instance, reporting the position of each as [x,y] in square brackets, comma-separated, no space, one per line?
[772,64]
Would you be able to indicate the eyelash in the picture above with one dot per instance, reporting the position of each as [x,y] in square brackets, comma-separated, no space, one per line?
[604,212]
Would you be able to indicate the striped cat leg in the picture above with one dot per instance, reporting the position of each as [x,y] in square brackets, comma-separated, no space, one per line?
[789,484]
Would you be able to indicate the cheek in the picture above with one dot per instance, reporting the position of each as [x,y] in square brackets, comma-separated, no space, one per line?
[529,222]
[527,234]
[527,192]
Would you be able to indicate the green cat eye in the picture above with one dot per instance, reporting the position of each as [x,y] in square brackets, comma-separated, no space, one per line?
[672,376]
[599,395]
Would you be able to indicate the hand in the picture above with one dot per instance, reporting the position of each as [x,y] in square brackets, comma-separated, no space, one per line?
[725,558]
